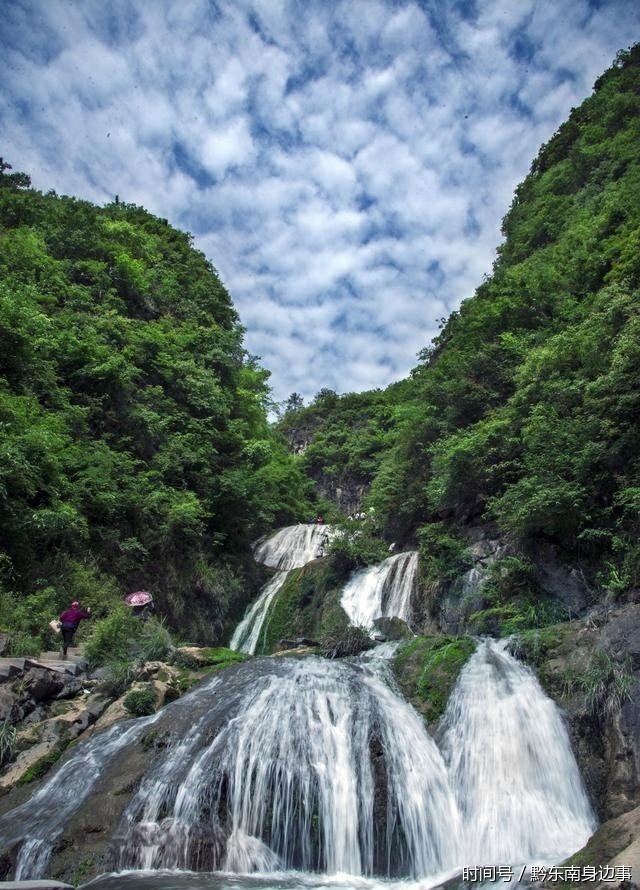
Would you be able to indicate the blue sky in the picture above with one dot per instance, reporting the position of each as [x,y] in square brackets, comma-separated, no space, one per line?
[344,165]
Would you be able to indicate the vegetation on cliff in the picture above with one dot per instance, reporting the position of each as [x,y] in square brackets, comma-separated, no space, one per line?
[135,449]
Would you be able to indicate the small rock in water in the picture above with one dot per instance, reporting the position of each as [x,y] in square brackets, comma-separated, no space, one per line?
[297,643]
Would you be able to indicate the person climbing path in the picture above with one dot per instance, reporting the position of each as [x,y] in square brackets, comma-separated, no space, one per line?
[69,621]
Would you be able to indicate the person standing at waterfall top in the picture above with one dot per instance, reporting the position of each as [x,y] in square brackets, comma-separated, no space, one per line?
[69,621]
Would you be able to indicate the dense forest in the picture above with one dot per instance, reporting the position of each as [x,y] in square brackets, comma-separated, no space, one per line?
[523,412]
[135,449]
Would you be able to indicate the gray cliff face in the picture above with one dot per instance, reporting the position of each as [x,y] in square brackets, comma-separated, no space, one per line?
[454,602]
[344,490]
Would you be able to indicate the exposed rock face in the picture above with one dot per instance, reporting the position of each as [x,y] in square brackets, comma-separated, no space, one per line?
[460,598]
[40,684]
[392,628]
[567,584]
[453,602]
[592,669]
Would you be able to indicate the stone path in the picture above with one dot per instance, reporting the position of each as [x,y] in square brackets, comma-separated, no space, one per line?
[74,665]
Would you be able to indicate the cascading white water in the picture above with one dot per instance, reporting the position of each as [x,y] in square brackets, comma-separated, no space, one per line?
[289,548]
[383,590]
[511,765]
[247,634]
[320,766]
[294,546]
[293,773]
[32,823]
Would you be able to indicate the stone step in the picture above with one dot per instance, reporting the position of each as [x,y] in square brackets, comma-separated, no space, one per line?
[74,664]
[52,662]
[11,667]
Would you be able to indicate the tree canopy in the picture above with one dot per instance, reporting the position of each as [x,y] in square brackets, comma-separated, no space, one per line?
[135,448]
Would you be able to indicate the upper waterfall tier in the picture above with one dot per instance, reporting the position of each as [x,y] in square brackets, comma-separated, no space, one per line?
[293,546]
[382,590]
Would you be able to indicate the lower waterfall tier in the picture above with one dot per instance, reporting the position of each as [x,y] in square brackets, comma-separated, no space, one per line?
[319,766]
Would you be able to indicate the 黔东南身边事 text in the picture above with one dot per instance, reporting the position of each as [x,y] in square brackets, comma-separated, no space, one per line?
[551,873]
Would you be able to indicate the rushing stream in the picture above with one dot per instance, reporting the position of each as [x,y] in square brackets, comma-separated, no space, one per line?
[319,766]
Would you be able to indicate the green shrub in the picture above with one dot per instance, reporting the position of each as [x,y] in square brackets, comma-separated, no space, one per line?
[8,735]
[156,643]
[358,543]
[606,685]
[115,637]
[119,675]
[20,645]
[443,555]
[512,601]
[349,641]
[140,702]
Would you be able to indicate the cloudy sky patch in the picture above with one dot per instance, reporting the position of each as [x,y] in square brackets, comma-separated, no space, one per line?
[344,165]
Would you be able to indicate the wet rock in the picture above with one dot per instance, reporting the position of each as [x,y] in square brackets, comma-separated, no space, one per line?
[36,885]
[393,628]
[621,634]
[571,659]
[616,842]
[297,643]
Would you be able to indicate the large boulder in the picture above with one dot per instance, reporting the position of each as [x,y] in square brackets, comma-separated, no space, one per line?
[39,684]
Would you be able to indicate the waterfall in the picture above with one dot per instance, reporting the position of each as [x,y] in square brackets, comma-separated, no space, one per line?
[293,546]
[320,766]
[289,548]
[384,590]
[247,633]
[511,765]
[36,824]
[289,783]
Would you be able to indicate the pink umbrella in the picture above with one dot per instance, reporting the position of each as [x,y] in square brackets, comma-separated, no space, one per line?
[139,598]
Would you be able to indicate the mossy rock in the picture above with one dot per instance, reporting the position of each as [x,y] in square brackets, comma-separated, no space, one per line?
[195,657]
[220,655]
[42,766]
[427,669]
[559,653]
[307,605]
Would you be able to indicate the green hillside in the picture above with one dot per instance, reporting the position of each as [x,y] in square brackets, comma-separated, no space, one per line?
[135,449]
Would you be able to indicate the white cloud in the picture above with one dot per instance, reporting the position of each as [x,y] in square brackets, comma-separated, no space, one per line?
[226,146]
[348,149]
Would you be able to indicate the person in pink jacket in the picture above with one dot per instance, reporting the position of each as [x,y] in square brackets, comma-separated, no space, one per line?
[69,621]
